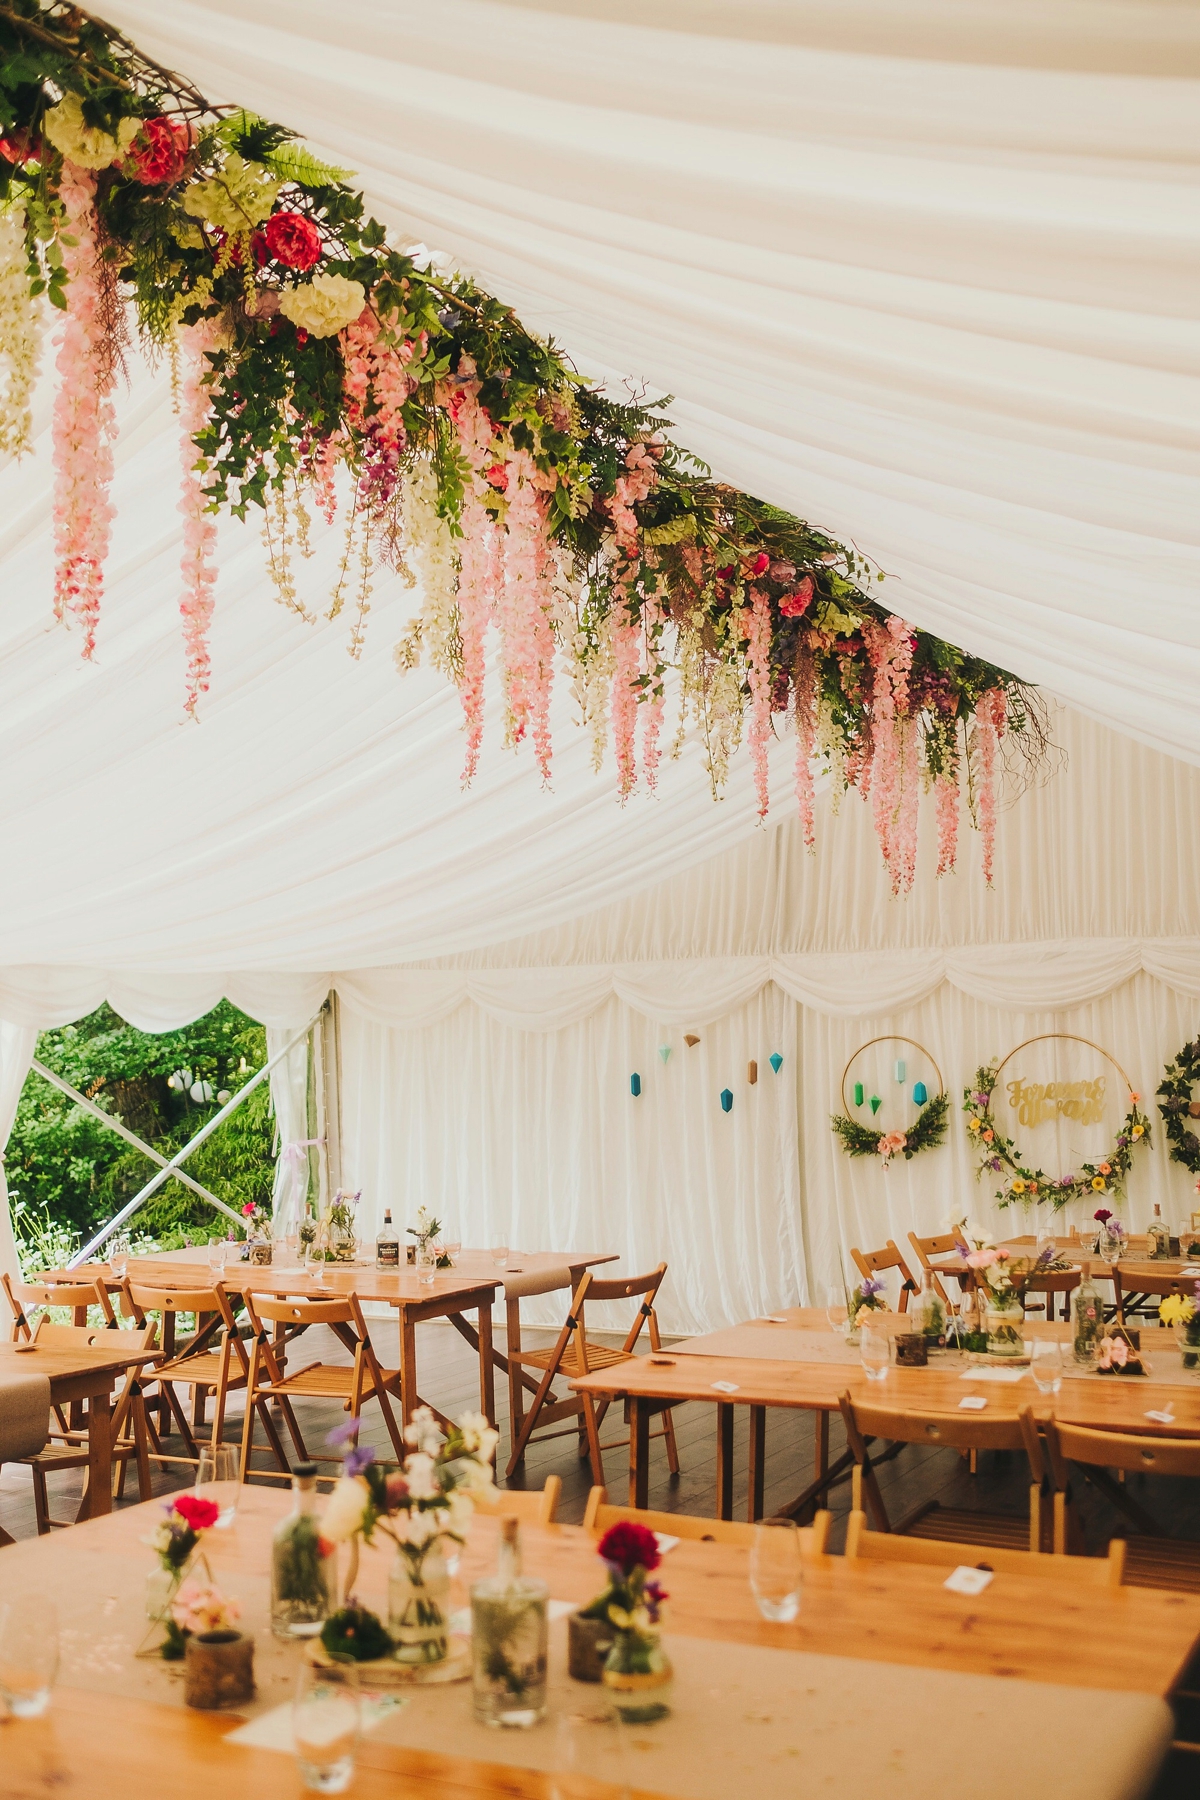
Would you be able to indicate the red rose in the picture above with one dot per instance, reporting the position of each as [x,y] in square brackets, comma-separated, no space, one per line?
[629,1547]
[293,240]
[758,565]
[159,152]
[498,476]
[18,148]
[794,606]
[199,1514]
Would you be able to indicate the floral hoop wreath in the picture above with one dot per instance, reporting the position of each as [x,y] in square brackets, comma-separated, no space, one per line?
[927,1130]
[1025,1186]
[1176,1105]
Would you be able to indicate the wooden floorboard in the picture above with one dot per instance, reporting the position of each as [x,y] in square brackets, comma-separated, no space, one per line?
[448,1374]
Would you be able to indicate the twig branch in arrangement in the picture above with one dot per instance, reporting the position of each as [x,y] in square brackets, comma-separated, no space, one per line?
[335,369]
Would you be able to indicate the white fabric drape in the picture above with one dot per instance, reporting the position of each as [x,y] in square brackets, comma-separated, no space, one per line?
[289,1103]
[17,1044]
[923,274]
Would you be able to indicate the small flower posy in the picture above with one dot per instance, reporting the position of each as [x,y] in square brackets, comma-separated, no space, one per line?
[176,1538]
[630,1602]
[427,1497]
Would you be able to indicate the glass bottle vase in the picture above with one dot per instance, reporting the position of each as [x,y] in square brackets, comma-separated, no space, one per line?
[303,1564]
[1005,1326]
[509,1640]
[419,1605]
[639,1677]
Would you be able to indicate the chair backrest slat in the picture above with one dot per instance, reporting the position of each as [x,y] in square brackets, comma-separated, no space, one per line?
[534,1506]
[1124,1450]
[890,1547]
[599,1516]
[952,1431]
[878,1262]
[25,1297]
[299,1312]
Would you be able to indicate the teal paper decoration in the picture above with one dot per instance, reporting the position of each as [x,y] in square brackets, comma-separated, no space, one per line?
[635,1085]
[920,1093]
[901,1069]
[859,1093]
[776,1061]
[664,1050]
[726,1100]
[876,1103]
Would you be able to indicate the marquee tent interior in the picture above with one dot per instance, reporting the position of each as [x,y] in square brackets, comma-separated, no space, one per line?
[943,315]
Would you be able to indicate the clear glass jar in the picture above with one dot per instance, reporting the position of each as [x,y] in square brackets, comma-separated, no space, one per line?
[928,1312]
[1159,1237]
[303,1564]
[419,1604]
[1005,1325]
[1087,1313]
[509,1639]
[639,1677]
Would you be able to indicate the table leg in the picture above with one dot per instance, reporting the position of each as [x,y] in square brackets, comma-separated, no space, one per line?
[639,1452]
[408,1366]
[724,1460]
[758,1452]
[487,1367]
[98,1497]
[821,1441]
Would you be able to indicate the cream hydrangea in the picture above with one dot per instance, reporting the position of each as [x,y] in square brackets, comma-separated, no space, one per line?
[323,306]
[236,200]
[346,1509]
[81,143]
[20,337]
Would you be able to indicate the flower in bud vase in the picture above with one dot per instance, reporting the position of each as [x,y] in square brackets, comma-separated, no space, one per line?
[637,1670]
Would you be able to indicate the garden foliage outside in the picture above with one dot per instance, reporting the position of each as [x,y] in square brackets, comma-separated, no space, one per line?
[68,1174]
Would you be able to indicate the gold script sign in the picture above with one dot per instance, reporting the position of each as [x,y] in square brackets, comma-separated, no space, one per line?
[1035,1101]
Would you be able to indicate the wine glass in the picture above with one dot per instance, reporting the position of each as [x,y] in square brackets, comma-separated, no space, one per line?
[588,1746]
[118,1256]
[453,1249]
[426,1265]
[217,1480]
[835,1310]
[28,1654]
[1047,1365]
[218,1250]
[500,1255]
[875,1352]
[326,1724]
[776,1570]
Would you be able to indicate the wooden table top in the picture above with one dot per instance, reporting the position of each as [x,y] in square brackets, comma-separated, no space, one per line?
[70,1364]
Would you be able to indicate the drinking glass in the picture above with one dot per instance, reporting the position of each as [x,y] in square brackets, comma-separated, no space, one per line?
[875,1352]
[589,1746]
[326,1724]
[28,1654]
[118,1256]
[1047,1365]
[500,1255]
[453,1249]
[835,1310]
[426,1264]
[218,1249]
[776,1573]
[217,1480]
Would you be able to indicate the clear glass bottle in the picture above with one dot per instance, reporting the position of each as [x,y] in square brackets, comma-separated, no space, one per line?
[303,1564]
[1160,1237]
[508,1639]
[1088,1314]
[387,1245]
[928,1312]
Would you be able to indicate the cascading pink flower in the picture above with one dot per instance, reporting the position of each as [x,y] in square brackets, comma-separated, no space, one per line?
[525,610]
[756,628]
[890,648]
[806,733]
[84,419]
[626,687]
[480,565]
[946,803]
[376,388]
[991,718]
[653,702]
[199,527]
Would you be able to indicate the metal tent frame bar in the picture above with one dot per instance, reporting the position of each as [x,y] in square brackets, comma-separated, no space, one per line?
[172,1166]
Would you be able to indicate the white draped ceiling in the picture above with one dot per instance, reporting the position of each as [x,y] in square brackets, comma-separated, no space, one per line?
[924,273]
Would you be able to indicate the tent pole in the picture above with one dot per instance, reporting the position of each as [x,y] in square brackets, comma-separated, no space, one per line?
[169,1168]
[114,1124]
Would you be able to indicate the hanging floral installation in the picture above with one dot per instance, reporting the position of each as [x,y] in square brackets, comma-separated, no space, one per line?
[320,366]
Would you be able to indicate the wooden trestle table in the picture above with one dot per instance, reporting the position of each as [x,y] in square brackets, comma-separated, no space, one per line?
[688,1372]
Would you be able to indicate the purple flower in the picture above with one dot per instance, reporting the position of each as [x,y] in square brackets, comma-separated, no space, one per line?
[357,1459]
[872,1285]
[654,1594]
[1122,1141]
[994,1165]
[1066,1182]
[1047,1255]
[980,1099]
[343,1434]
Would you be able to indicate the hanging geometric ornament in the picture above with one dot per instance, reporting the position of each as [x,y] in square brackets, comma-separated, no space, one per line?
[876,1103]
[860,1093]
[776,1061]
[635,1085]
[920,1093]
[726,1100]
[690,1039]
[901,1069]
[664,1050]
[752,1073]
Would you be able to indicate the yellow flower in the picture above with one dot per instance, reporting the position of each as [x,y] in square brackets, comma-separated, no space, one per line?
[1177,1309]
[323,306]
[83,144]
[973,1125]
[1137,1131]
[1018,1187]
[1098,1183]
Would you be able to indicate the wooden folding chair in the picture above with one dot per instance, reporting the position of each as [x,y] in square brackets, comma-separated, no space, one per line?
[1054,1281]
[364,1380]
[951,1431]
[218,1372]
[890,1547]
[1136,1283]
[68,1449]
[572,1355]
[1152,1559]
[534,1506]
[600,1515]
[943,1245]
[878,1262]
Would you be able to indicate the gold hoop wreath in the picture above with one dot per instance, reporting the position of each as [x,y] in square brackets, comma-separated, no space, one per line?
[1026,1186]
[925,1133]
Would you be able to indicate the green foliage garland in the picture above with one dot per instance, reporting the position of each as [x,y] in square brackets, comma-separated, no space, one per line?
[925,1133]
[1101,1180]
[1174,1103]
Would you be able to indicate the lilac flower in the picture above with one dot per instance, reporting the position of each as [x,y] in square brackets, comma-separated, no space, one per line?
[980,1099]
[1066,1182]
[343,1434]
[994,1165]
[872,1285]
[360,1457]
[654,1594]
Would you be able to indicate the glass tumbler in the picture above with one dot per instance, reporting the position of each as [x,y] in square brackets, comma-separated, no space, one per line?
[28,1654]
[776,1569]
[327,1724]
[875,1352]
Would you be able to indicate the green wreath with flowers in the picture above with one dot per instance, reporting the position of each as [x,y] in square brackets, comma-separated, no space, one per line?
[925,1133]
[1175,1103]
[1026,1186]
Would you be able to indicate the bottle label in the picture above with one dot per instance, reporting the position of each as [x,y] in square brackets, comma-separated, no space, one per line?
[387,1254]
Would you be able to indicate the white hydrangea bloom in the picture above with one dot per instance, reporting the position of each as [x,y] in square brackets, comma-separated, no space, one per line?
[236,200]
[323,306]
[420,1474]
[82,144]
[423,1432]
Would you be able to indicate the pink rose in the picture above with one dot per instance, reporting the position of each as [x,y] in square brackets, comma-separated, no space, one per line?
[159,152]
[293,240]
[498,476]
[794,606]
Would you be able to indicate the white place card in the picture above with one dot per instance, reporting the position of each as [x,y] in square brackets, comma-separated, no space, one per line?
[665,1542]
[972,1403]
[773,1319]
[1162,1418]
[992,1374]
[726,1387]
[273,1730]
[965,1580]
